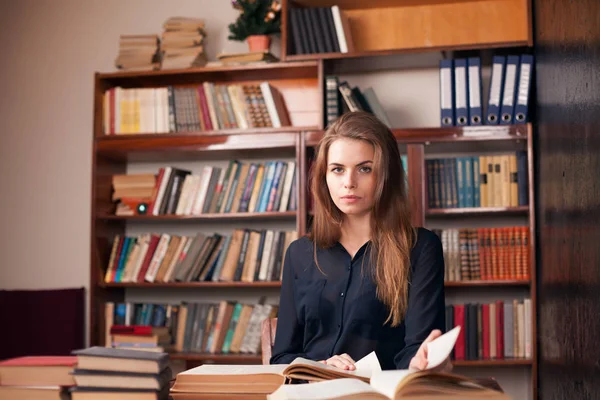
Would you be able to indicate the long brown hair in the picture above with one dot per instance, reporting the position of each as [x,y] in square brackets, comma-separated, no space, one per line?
[392,235]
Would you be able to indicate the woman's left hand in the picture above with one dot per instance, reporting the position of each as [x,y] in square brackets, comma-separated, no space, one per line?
[419,361]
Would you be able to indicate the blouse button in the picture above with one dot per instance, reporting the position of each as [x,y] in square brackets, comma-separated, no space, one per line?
[342,294]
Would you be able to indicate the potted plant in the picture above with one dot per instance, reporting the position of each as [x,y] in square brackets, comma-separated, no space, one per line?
[258,20]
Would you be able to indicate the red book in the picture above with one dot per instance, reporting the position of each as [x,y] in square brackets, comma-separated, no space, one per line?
[38,371]
[499,329]
[485,316]
[138,330]
[459,319]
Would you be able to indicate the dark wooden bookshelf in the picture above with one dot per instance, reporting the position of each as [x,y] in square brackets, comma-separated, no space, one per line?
[202,217]
[301,80]
[509,362]
[180,285]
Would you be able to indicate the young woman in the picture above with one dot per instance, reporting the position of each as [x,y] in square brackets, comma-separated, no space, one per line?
[363,279]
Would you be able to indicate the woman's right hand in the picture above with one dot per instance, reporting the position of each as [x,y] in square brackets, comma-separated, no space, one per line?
[343,361]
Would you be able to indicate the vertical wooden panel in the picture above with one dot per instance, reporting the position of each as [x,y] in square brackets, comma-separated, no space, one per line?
[532,257]
[567,34]
[285,37]
[416,182]
[301,184]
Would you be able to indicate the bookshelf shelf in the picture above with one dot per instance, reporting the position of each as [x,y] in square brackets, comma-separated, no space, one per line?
[277,70]
[436,212]
[454,134]
[511,362]
[214,135]
[458,284]
[195,142]
[202,217]
[413,50]
[357,4]
[221,285]
[218,358]
[488,283]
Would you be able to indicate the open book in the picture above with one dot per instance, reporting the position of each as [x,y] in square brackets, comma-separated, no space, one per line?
[391,385]
[267,378]
[264,378]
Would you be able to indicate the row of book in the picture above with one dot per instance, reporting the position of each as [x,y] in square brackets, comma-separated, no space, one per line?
[461,97]
[204,107]
[478,181]
[210,327]
[486,253]
[241,187]
[246,255]
[319,30]
[341,98]
[497,330]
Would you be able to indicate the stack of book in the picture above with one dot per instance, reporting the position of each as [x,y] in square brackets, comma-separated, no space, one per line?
[182,44]
[105,373]
[132,190]
[138,52]
[140,337]
[36,377]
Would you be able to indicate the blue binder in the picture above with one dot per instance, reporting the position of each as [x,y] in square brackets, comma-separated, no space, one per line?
[496,86]
[525,69]
[446,93]
[461,100]
[510,88]
[475,107]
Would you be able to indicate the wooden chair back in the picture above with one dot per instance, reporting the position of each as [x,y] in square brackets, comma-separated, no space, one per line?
[267,338]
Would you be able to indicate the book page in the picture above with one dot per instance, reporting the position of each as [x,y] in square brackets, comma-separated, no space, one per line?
[369,364]
[387,381]
[321,390]
[222,369]
[439,349]
[336,370]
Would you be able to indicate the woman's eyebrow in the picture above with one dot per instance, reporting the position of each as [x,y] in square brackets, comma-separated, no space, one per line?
[359,164]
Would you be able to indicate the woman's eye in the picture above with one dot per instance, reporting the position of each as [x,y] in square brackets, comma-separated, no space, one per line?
[365,169]
[337,169]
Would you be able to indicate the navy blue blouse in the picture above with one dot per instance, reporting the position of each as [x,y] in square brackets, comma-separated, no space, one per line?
[324,315]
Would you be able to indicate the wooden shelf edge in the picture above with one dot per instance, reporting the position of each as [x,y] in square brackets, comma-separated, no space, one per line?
[211,69]
[275,284]
[488,283]
[476,211]
[481,133]
[202,217]
[492,363]
[214,133]
[361,54]
[217,358]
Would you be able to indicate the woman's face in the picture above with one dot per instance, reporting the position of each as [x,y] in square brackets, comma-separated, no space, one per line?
[350,177]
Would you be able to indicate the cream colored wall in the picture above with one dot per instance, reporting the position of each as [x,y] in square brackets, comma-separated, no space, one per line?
[49,52]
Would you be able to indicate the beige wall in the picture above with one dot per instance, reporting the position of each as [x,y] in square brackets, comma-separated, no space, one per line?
[49,52]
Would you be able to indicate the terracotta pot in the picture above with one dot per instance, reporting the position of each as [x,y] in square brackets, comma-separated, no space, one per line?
[259,42]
